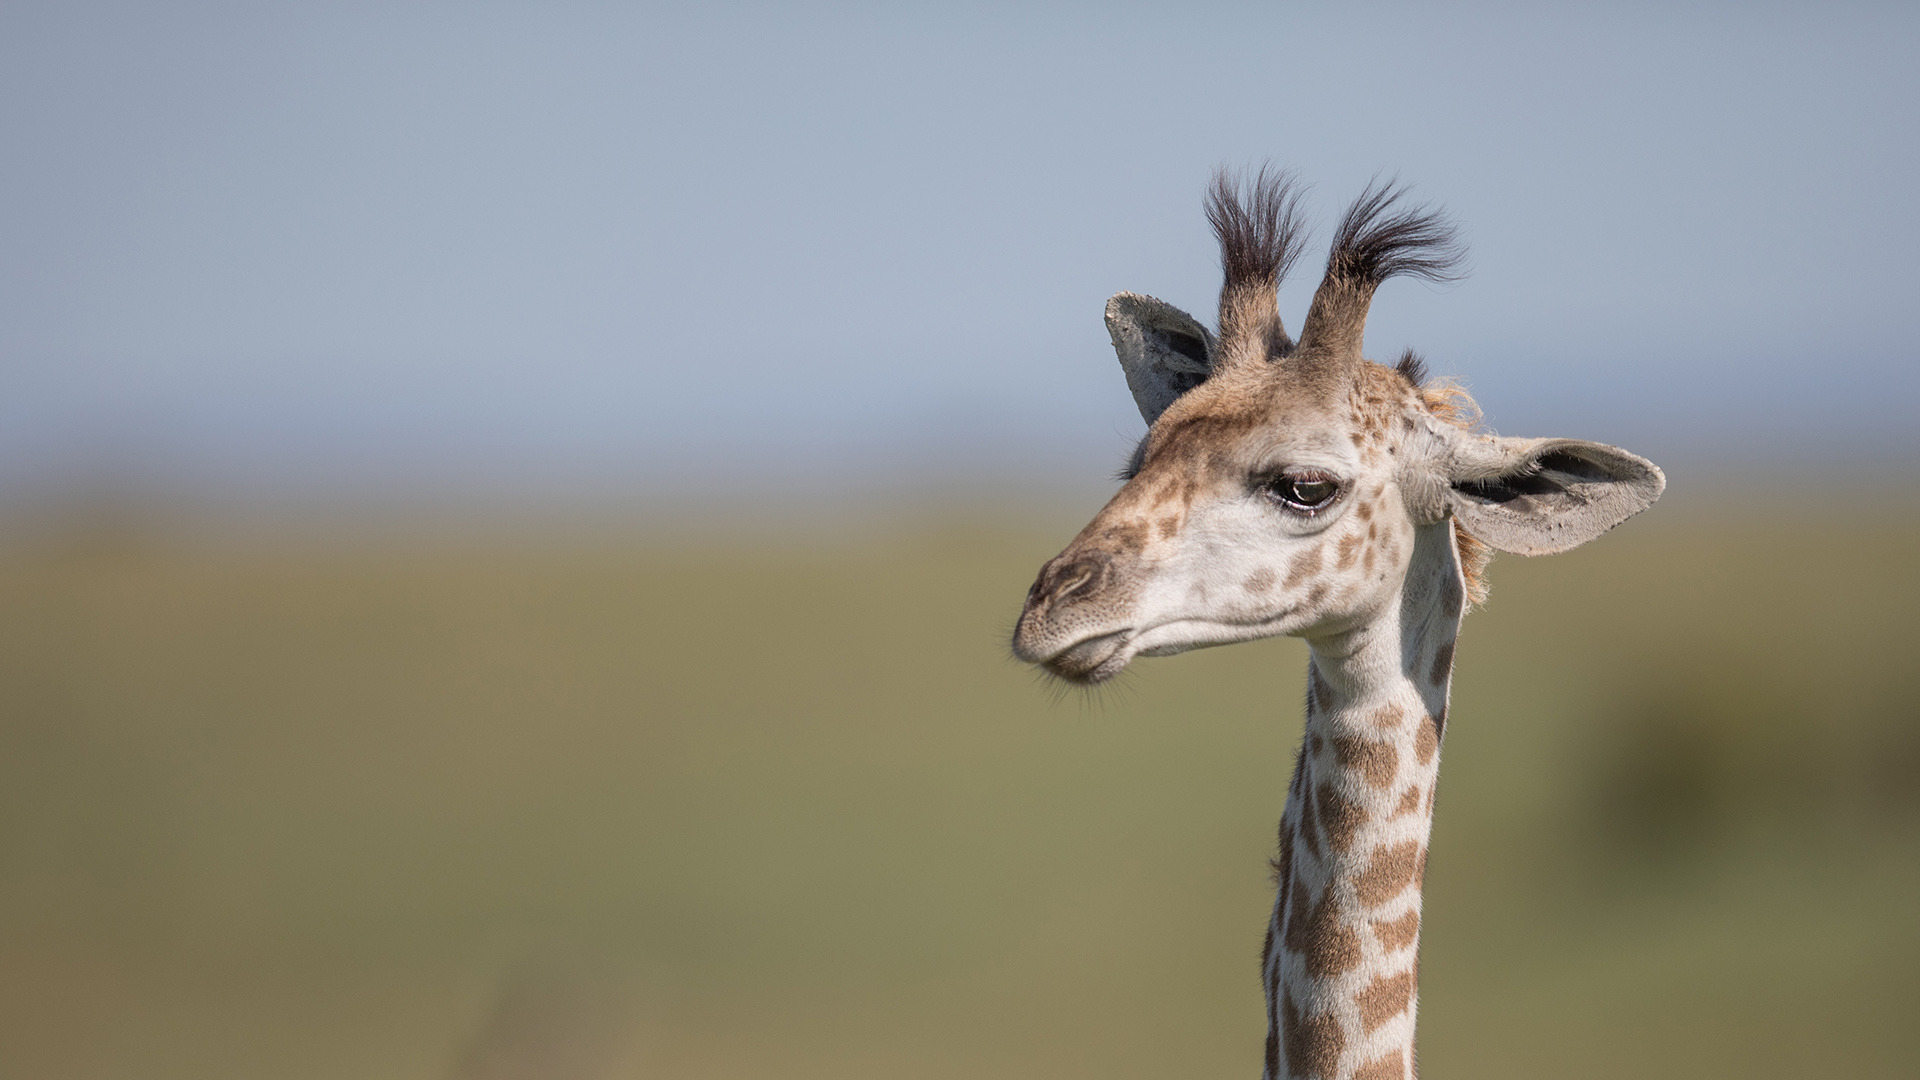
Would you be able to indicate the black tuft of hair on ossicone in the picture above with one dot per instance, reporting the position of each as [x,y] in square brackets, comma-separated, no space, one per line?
[1412,368]
[1380,237]
[1260,228]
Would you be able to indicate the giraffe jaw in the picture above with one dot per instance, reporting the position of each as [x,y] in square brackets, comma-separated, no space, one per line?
[1095,659]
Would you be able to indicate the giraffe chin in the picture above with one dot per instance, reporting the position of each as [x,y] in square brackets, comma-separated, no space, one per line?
[1091,661]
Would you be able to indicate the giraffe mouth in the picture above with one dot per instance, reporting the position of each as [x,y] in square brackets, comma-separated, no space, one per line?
[1092,660]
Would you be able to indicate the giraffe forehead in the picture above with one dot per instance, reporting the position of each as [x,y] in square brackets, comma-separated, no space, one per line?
[1244,435]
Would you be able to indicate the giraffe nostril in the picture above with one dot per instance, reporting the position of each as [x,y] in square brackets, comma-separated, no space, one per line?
[1075,577]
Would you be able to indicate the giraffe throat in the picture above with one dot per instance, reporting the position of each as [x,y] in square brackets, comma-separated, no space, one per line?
[1341,961]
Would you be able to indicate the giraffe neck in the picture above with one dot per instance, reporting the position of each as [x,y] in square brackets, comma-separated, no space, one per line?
[1341,964]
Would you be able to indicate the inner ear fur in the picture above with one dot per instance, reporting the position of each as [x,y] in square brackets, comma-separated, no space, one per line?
[1164,351]
[1542,496]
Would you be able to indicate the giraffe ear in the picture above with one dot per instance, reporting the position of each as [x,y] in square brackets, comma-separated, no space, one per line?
[1542,496]
[1164,351]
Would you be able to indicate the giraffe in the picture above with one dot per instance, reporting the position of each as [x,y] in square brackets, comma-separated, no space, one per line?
[1296,488]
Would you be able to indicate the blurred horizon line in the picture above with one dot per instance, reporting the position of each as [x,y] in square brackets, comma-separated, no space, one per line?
[806,502]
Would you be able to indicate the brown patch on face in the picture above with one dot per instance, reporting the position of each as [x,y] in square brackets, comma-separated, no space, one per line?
[1377,761]
[1408,802]
[1132,536]
[1169,526]
[1367,563]
[1348,550]
[1304,566]
[1180,489]
[1388,872]
[1313,1044]
[1260,581]
[1442,664]
[1317,593]
[1391,1067]
[1426,741]
[1340,818]
[1397,934]
[1365,510]
[1387,716]
[1186,439]
[1384,998]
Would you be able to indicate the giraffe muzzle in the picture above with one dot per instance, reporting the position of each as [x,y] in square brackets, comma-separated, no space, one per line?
[1067,626]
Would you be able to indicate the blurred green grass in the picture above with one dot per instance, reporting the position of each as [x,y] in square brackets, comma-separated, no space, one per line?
[728,803]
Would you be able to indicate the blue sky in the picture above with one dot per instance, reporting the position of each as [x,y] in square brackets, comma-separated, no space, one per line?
[512,248]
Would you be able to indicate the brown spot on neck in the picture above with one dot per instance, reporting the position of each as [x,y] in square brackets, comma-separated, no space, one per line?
[1409,802]
[1387,716]
[1388,872]
[1313,1043]
[1384,998]
[1339,817]
[1376,761]
[1397,934]
[1328,946]
[1426,741]
[1391,1067]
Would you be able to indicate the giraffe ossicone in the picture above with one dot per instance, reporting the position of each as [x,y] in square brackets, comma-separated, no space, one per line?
[1296,488]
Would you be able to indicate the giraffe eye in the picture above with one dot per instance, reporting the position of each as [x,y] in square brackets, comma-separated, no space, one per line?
[1306,493]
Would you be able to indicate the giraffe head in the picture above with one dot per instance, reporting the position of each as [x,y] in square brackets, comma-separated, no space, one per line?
[1281,484]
